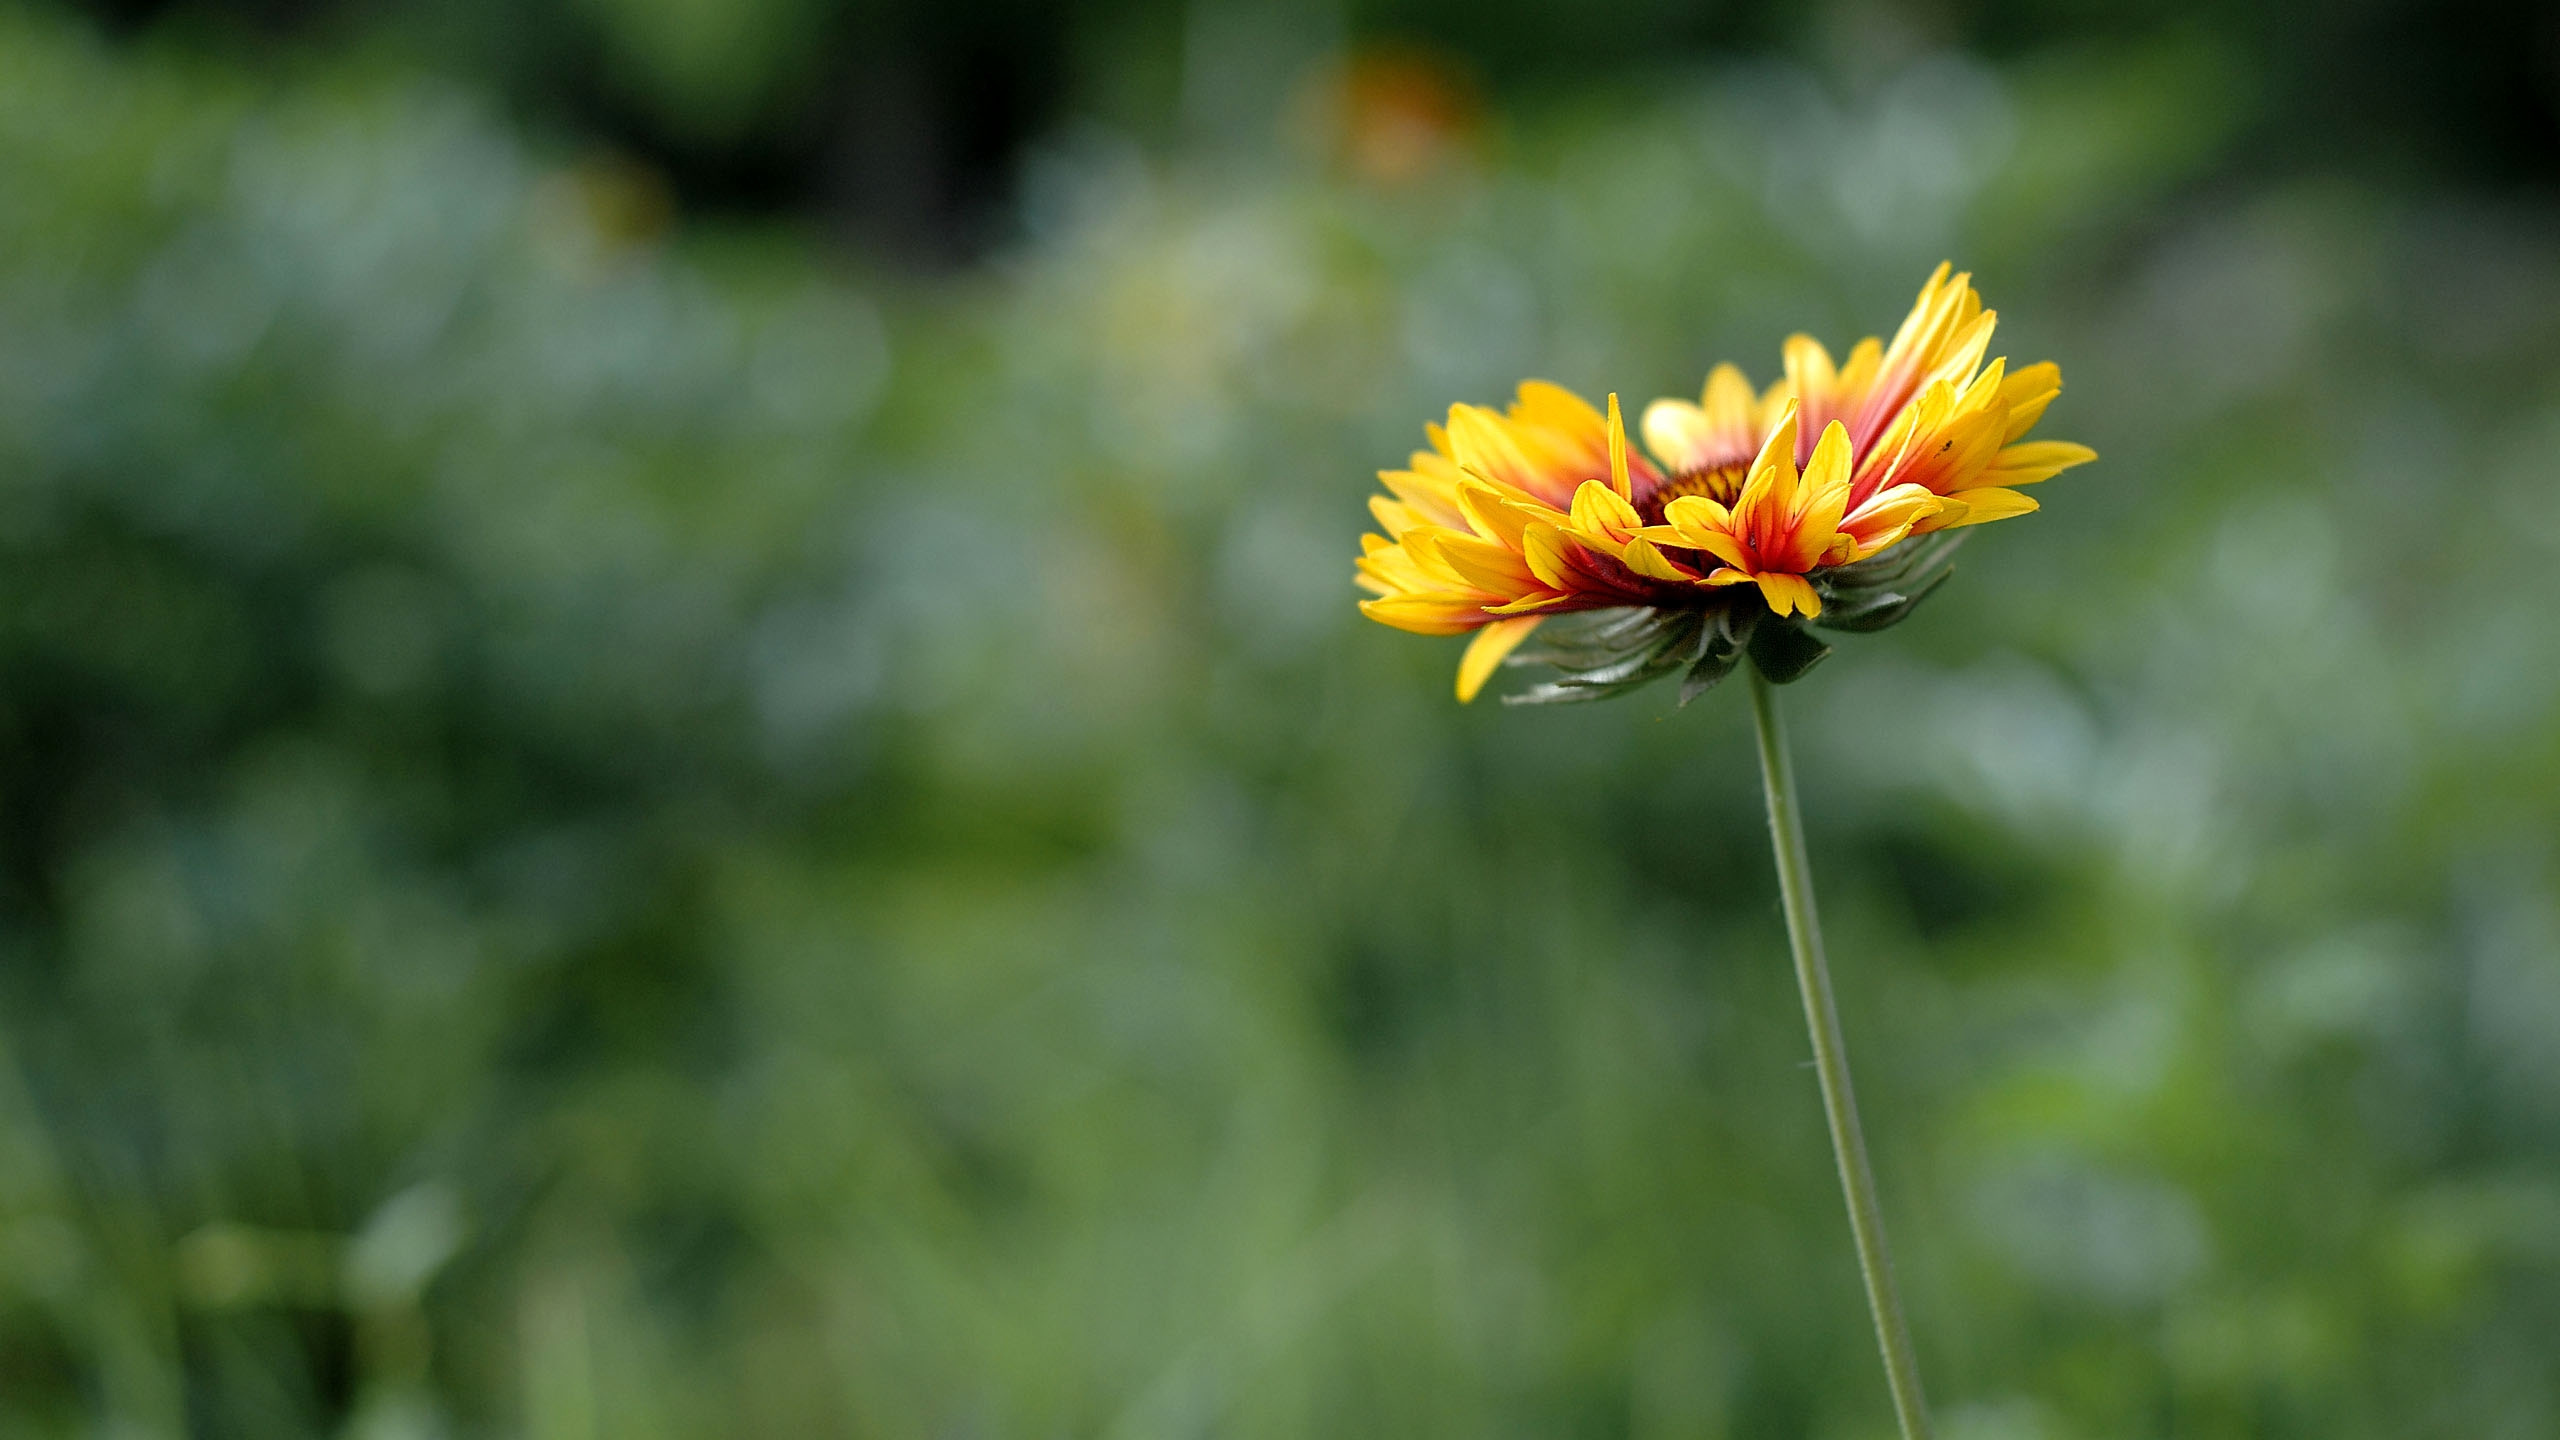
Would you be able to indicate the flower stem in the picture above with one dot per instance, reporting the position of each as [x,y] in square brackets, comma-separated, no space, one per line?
[1831,1062]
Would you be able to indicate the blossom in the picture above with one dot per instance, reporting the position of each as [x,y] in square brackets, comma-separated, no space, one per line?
[1753,512]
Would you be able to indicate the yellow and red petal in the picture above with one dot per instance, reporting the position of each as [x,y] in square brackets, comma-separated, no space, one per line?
[1822,495]
[1771,488]
[1812,378]
[1539,507]
[1944,324]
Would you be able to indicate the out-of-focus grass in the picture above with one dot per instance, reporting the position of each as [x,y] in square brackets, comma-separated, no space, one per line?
[622,831]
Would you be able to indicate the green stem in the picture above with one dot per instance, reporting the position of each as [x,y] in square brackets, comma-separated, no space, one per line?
[1830,1059]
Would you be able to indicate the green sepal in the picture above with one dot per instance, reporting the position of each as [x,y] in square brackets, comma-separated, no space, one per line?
[1707,673]
[1720,651]
[1865,612]
[1615,654]
[1603,653]
[1879,593]
[1906,567]
[1784,652]
[1592,637]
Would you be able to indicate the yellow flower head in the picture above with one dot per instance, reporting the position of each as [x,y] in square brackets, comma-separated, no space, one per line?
[1754,509]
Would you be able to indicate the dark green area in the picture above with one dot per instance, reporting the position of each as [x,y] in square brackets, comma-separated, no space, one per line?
[623,816]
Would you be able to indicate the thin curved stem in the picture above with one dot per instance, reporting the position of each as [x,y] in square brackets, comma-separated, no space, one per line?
[1831,1061]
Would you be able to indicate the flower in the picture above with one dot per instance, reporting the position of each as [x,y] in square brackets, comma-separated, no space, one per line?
[1753,513]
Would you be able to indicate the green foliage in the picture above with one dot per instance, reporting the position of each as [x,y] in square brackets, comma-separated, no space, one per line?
[620,832]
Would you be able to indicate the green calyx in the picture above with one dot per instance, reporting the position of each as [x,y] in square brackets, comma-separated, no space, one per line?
[1599,654]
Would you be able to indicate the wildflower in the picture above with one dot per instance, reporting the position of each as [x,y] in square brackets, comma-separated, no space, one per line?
[1754,514]
[1833,497]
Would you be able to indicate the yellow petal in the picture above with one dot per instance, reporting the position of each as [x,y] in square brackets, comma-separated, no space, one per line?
[1601,511]
[1494,513]
[2036,460]
[1480,442]
[1730,407]
[1986,505]
[1680,435]
[1886,451]
[1641,557]
[1959,456]
[1423,617]
[1947,305]
[1773,405]
[1888,516]
[1542,546]
[1618,452]
[1486,651]
[1697,512]
[1484,564]
[1857,376]
[1923,310]
[1698,523]
[1788,593]
[1985,386]
[2026,393]
[1727,548]
[1829,468]
[1543,402]
[1505,455]
[1393,517]
[1809,369]
[1964,348]
[1394,567]
[1429,490]
[1414,557]
[1773,474]
[1421,545]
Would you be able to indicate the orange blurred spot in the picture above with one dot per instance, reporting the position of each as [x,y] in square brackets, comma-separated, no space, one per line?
[1393,117]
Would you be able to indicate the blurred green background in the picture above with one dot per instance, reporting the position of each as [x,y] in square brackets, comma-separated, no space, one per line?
[683,750]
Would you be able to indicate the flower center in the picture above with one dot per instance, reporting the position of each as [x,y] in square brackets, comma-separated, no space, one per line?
[1719,483]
